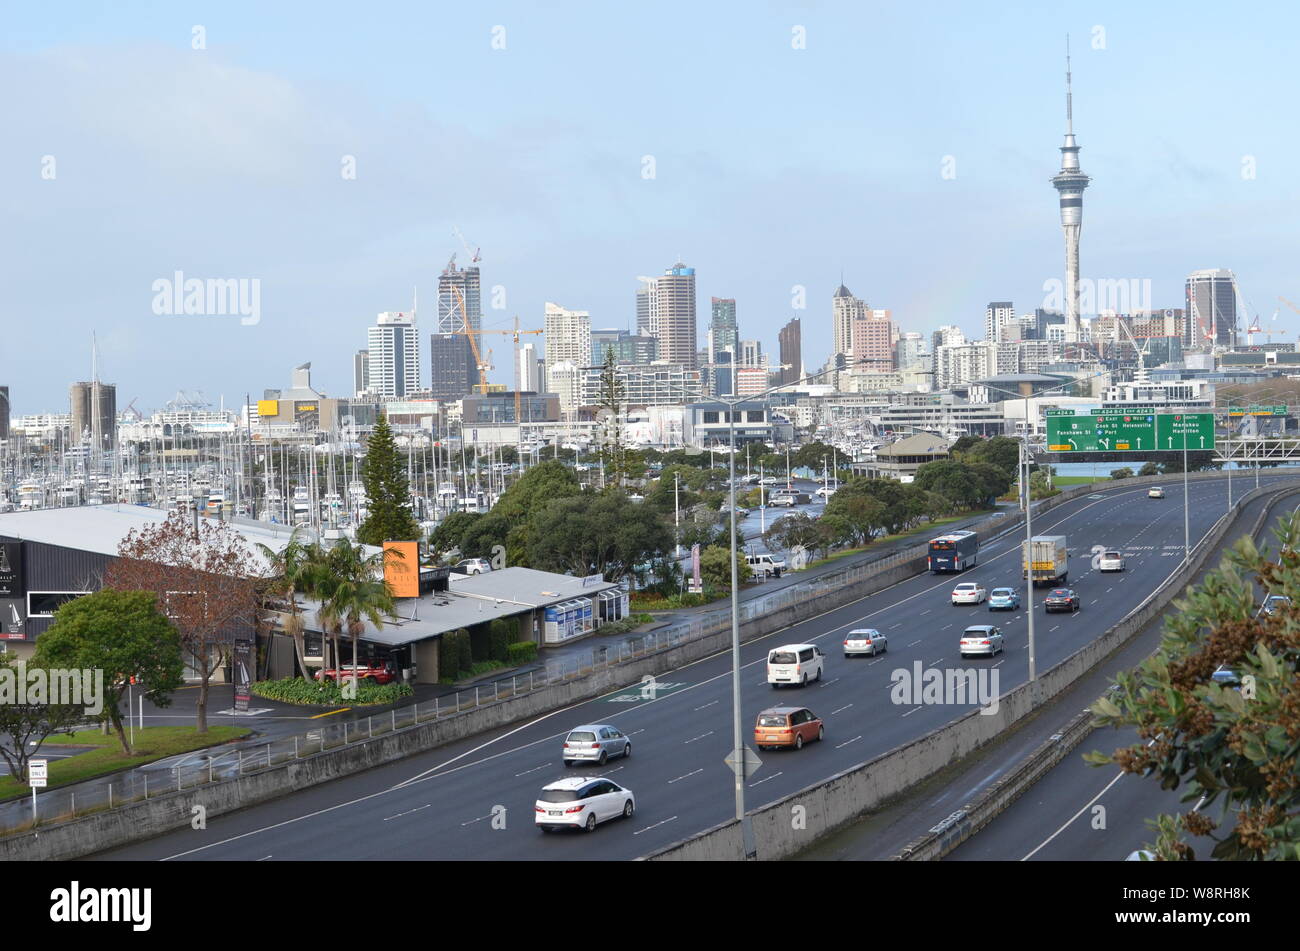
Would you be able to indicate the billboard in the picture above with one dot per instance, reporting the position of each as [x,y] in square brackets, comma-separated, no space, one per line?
[402,571]
[268,408]
[11,570]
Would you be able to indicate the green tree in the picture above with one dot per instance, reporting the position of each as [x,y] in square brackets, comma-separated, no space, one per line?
[715,570]
[1122,474]
[388,502]
[452,531]
[508,522]
[1000,451]
[25,726]
[123,634]
[359,594]
[1149,469]
[1233,744]
[298,568]
[612,395]
[605,534]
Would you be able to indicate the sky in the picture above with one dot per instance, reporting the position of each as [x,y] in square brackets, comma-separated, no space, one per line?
[326,151]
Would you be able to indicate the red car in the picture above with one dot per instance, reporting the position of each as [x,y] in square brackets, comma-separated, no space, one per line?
[377,675]
[787,726]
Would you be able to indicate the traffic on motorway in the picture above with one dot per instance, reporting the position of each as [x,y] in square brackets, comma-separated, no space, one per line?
[819,697]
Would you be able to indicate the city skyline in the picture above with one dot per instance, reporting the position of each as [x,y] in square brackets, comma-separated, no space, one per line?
[926,254]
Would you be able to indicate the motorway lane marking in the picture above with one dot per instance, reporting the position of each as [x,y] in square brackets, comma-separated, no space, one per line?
[709,704]
[936,663]
[533,770]
[1055,626]
[899,624]
[910,712]
[687,776]
[655,826]
[827,683]
[926,611]
[762,781]
[701,736]
[845,707]
[409,811]
[914,643]
[479,819]
[881,660]
[847,742]
[264,858]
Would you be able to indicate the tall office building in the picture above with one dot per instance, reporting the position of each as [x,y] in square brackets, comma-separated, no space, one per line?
[845,310]
[750,354]
[910,352]
[1211,309]
[454,285]
[94,414]
[672,315]
[394,351]
[722,324]
[4,412]
[360,372]
[641,349]
[453,370]
[791,344]
[643,295]
[997,315]
[568,336]
[873,342]
[1069,183]
[528,376]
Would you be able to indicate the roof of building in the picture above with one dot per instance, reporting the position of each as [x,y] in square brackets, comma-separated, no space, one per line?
[100,528]
[842,291]
[528,586]
[919,445]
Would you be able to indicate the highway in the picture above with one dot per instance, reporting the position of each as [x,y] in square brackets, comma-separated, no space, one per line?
[441,804]
[1081,812]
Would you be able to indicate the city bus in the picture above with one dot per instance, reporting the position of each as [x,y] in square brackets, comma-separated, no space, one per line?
[955,551]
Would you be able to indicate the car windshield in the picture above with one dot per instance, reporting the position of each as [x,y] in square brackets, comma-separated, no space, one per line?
[1002,592]
[1112,554]
[976,632]
[966,587]
[771,719]
[783,657]
[559,795]
[862,635]
[580,736]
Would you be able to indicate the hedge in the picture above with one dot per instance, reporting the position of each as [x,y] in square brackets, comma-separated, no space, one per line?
[314,693]
[521,652]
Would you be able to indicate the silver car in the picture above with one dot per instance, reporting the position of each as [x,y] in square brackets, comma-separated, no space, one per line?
[865,640]
[1110,561]
[981,639]
[595,742]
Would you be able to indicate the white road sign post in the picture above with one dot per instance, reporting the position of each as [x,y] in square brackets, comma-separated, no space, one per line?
[37,777]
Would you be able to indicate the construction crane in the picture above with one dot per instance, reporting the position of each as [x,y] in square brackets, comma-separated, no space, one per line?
[486,365]
[473,258]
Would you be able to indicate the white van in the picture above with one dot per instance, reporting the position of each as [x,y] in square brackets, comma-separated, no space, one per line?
[794,664]
[765,564]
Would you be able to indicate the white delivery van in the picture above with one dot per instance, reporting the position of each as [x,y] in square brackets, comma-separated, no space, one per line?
[765,564]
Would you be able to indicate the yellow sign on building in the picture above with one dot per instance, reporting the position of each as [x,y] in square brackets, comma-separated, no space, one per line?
[267,408]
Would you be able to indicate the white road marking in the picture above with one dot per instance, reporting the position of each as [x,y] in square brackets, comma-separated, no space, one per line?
[914,643]
[847,742]
[845,707]
[687,776]
[910,712]
[762,781]
[533,770]
[709,704]
[655,826]
[409,811]
[701,736]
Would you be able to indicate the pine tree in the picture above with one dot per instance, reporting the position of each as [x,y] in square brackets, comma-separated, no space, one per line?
[388,517]
[611,414]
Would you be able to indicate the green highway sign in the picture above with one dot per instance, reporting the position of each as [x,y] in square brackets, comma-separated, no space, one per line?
[1118,431]
[1059,412]
[1185,431]
[1257,411]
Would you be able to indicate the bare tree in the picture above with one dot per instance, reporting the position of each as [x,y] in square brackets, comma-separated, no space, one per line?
[203,583]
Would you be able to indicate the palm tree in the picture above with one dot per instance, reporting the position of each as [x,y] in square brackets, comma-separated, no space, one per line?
[299,568]
[357,593]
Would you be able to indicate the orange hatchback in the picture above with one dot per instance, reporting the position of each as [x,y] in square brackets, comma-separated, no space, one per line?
[787,726]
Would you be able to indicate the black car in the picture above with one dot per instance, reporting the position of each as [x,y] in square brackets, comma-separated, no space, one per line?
[1061,599]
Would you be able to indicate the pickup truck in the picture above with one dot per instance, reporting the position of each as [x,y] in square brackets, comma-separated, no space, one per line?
[1049,559]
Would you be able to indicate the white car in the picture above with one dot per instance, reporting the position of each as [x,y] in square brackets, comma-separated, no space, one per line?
[781,501]
[1110,561]
[981,639]
[794,664]
[582,804]
[969,592]
[865,640]
[1155,492]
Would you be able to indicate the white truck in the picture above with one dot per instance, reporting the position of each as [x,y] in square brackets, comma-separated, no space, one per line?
[1049,559]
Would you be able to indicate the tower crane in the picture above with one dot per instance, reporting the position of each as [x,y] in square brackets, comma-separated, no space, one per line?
[473,258]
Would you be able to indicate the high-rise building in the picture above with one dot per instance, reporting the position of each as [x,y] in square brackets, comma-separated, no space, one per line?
[791,344]
[455,284]
[360,372]
[910,352]
[394,370]
[722,325]
[564,379]
[845,310]
[1211,309]
[672,315]
[1069,183]
[997,315]
[94,414]
[873,343]
[4,412]
[628,347]
[955,364]
[529,377]
[568,336]
[643,295]
[750,353]
[453,372]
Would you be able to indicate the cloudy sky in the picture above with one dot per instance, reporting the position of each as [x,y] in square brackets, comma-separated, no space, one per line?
[790,142]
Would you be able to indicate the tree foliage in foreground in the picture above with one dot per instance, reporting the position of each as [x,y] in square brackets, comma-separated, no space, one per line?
[1238,747]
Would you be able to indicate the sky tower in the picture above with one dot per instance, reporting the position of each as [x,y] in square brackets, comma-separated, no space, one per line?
[1069,183]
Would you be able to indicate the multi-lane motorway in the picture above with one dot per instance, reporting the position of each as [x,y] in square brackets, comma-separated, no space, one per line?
[474,799]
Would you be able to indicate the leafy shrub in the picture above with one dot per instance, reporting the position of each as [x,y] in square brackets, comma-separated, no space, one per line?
[521,652]
[1122,474]
[499,633]
[310,692]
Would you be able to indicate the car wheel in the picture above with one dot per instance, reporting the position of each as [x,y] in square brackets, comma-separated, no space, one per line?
[547,829]
[627,750]
[846,656]
[803,680]
[604,757]
[628,809]
[821,733]
[798,741]
[568,763]
[819,674]
[591,823]
[963,656]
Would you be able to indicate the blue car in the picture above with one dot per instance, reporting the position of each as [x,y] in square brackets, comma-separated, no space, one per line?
[1004,599]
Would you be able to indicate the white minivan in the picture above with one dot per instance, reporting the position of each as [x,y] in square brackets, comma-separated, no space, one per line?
[764,565]
[794,664]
